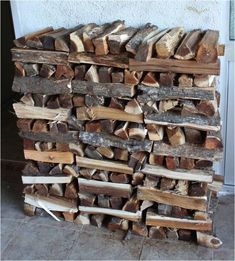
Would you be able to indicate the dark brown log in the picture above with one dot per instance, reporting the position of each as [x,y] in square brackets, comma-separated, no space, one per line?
[185,235]
[157,232]
[40,85]
[137,160]
[31,69]
[80,72]
[207,50]
[71,190]
[172,162]
[105,74]
[19,69]
[47,71]
[186,163]
[139,228]
[117,76]
[87,173]
[119,178]
[175,136]
[108,126]
[186,150]
[56,170]
[62,127]
[132,204]
[121,154]
[193,136]
[101,139]
[42,189]
[86,199]
[103,201]
[30,169]
[150,80]
[53,102]
[48,39]
[24,124]
[167,184]
[166,46]
[40,100]
[156,159]
[197,189]
[118,40]
[122,130]
[117,104]
[179,212]
[38,56]
[116,202]
[132,77]
[62,147]
[188,47]
[201,164]
[65,101]
[28,144]
[207,108]
[56,190]
[101,42]
[44,167]
[142,34]
[93,126]
[64,71]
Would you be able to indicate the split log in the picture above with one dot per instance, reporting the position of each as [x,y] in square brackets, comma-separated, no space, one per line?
[136,131]
[150,80]
[167,105]
[112,212]
[65,101]
[93,126]
[59,179]
[167,184]
[202,164]
[51,203]
[19,69]
[204,81]
[137,160]
[41,85]
[171,162]
[207,48]
[170,198]
[132,77]
[41,189]
[137,178]
[186,163]
[30,169]
[40,100]
[29,210]
[106,152]
[71,170]
[188,107]
[102,175]
[153,219]
[185,81]
[39,56]
[133,107]
[207,108]
[106,188]
[193,136]
[119,178]
[48,39]
[101,112]
[117,103]
[110,60]
[186,150]
[155,132]
[27,99]
[118,40]
[164,210]
[103,201]
[108,126]
[92,74]
[175,136]
[64,71]
[31,69]
[82,219]
[106,140]
[171,233]
[88,36]
[116,202]
[118,223]
[49,156]
[80,71]
[86,199]
[76,44]
[57,169]
[101,42]
[139,228]
[97,220]
[146,204]
[132,204]
[146,48]
[69,216]
[117,77]
[62,147]
[71,190]
[56,190]
[151,181]
[142,34]
[87,173]
[92,153]
[47,71]
[78,101]
[167,79]
[166,46]
[28,144]
[174,92]
[53,102]
[197,189]
[188,47]
[30,112]
[176,66]
[121,154]
[207,240]
[213,140]
[156,159]
[157,232]
[103,89]
[185,234]
[199,122]
[182,187]
[103,165]
[28,38]
[105,74]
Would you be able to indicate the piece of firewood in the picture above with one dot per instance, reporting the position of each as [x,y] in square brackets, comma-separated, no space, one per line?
[137,160]
[69,216]
[102,175]
[53,102]
[57,169]
[71,170]
[136,131]
[137,178]
[203,81]
[103,201]
[31,69]
[167,184]
[64,71]
[122,130]
[117,76]
[108,126]
[97,220]
[188,107]
[40,126]
[146,48]
[166,105]
[151,181]
[29,190]
[62,147]
[93,126]
[24,40]
[87,173]
[58,179]
[82,219]
[156,159]
[207,48]
[144,33]
[76,43]
[186,163]
[29,210]
[208,240]
[185,234]
[106,152]
[182,187]
[91,100]
[47,71]
[150,80]
[19,69]
[118,223]
[92,153]
[27,99]
[40,100]
[188,47]
[139,228]
[107,140]
[166,46]
[157,232]
[80,72]
[197,189]
[171,233]
[167,79]
[71,190]
[213,140]
[105,74]
[164,210]
[65,101]
[155,132]
[30,169]
[193,136]
[56,190]
[170,198]
[172,162]
[118,40]
[119,178]
[207,108]
[92,74]
[78,101]
[132,204]
[116,202]
[86,199]
[175,136]
[28,144]
[77,148]
[41,189]
[132,77]
[101,41]
[103,165]
[133,107]
[185,80]
[202,164]
[121,154]
[106,188]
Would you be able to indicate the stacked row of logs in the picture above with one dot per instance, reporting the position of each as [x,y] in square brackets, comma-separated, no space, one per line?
[117,134]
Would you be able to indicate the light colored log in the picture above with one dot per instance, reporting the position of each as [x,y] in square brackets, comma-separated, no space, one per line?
[46,179]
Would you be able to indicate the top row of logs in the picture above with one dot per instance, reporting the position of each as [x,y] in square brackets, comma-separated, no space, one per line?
[141,43]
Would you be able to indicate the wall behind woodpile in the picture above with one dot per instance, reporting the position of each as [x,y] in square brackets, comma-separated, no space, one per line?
[29,16]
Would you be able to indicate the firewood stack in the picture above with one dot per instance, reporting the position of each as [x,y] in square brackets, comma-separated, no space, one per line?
[121,127]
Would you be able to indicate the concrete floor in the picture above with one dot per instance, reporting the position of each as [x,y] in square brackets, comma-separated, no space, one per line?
[42,238]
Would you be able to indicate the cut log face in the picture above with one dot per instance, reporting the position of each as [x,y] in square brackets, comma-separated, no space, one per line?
[155,132]
[106,152]
[207,240]
[207,108]
[47,71]
[157,232]
[213,140]
[166,46]
[31,69]
[185,81]
[203,81]
[150,80]
[117,76]
[171,162]
[19,69]
[105,74]
[136,131]
[121,154]
[176,136]
[193,136]
[122,130]
[133,107]
[132,77]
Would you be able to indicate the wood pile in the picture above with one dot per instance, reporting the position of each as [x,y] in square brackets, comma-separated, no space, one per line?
[120,127]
